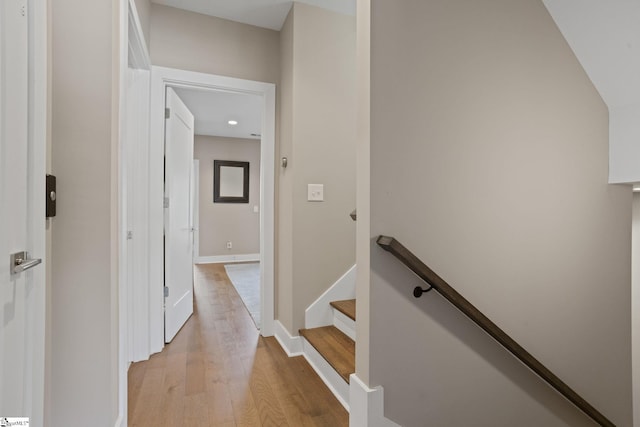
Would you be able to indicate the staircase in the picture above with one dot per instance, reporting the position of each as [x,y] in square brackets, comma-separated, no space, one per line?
[333,347]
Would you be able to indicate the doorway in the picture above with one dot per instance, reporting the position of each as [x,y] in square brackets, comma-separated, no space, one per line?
[162,78]
[226,223]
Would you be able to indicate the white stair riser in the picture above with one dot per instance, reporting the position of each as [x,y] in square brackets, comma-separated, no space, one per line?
[329,376]
[344,323]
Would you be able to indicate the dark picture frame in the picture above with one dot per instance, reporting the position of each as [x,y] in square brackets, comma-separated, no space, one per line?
[230,181]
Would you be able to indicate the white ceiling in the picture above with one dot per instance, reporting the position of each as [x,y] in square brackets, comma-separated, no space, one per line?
[605,36]
[262,13]
[213,109]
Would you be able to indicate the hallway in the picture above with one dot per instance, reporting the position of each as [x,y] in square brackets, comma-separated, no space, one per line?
[218,371]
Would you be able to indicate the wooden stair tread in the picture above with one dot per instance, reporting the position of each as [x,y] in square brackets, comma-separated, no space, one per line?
[336,348]
[347,307]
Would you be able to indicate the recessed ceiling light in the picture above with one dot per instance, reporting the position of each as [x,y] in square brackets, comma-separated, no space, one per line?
[233,122]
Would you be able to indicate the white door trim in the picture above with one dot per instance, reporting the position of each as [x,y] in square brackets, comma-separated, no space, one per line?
[135,161]
[195,204]
[38,102]
[162,77]
[132,303]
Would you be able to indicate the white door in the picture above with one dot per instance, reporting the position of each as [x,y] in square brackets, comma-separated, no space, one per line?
[178,252]
[22,174]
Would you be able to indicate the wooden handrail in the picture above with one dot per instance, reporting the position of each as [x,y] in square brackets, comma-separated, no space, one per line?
[436,282]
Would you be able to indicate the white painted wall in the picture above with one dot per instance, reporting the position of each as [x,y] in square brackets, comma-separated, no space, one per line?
[489,161]
[624,143]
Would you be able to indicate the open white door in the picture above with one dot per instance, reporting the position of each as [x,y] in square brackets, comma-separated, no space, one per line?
[178,252]
[22,174]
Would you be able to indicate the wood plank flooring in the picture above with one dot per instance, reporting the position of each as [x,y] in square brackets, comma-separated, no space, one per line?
[218,371]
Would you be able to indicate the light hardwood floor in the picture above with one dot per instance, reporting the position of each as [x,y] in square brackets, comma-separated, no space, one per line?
[218,371]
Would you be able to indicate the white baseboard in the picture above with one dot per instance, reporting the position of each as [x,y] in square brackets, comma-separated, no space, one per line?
[120,422]
[327,374]
[367,405]
[320,312]
[290,344]
[215,259]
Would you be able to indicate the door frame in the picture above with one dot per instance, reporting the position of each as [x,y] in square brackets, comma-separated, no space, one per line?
[38,238]
[132,302]
[195,207]
[161,77]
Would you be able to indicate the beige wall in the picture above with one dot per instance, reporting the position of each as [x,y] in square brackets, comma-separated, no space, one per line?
[83,346]
[318,137]
[196,42]
[284,218]
[143,8]
[223,222]
[363,193]
[489,161]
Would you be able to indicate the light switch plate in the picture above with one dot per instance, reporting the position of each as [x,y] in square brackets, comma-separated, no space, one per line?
[315,192]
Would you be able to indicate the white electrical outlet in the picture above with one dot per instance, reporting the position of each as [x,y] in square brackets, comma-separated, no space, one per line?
[229,244]
[315,192]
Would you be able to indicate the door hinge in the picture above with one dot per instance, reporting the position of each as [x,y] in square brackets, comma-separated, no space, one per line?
[167,113]
[166,202]
[129,235]
[166,292]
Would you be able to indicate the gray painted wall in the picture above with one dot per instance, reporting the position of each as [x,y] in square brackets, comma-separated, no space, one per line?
[196,42]
[222,222]
[284,208]
[82,341]
[318,129]
[489,161]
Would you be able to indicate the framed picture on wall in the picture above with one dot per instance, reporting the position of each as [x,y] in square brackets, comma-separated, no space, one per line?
[230,181]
